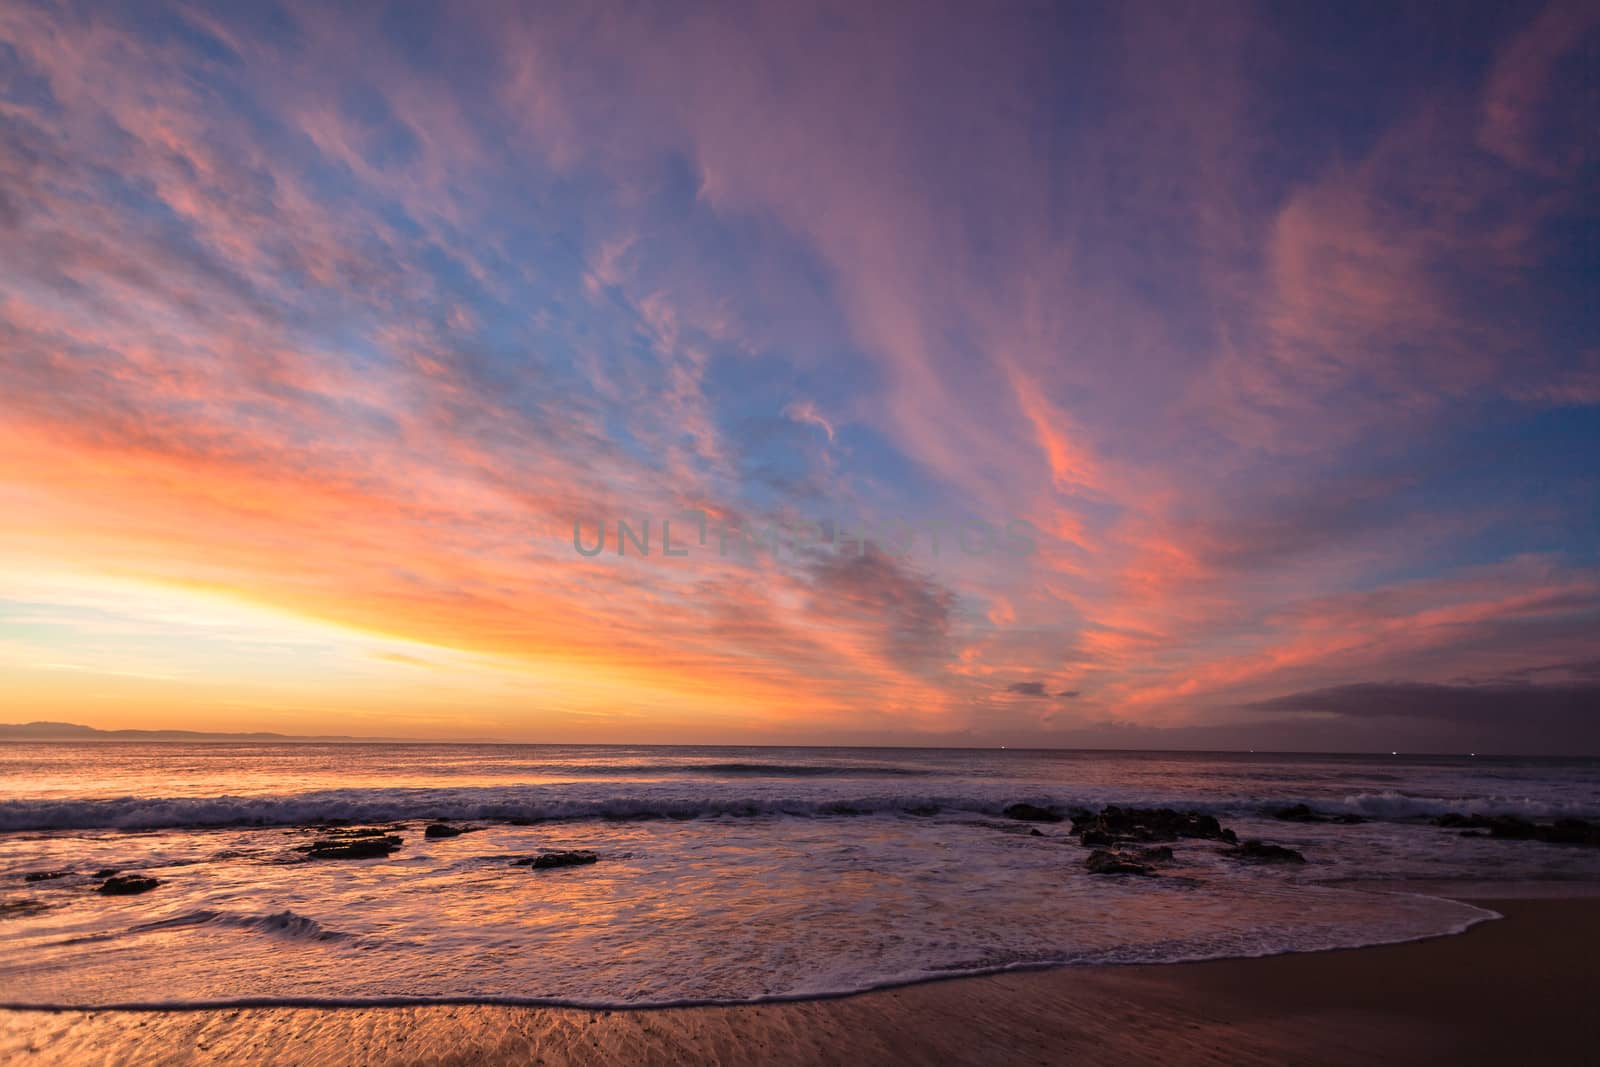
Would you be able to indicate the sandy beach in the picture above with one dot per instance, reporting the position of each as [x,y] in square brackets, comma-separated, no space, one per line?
[1515,990]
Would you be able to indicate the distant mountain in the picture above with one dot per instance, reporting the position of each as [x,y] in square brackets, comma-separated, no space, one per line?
[68,731]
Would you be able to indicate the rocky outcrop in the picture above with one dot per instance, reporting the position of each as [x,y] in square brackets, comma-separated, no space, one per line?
[439,829]
[1147,825]
[353,848]
[1104,861]
[1261,852]
[1031,813]
[547,860]
[44,876]
[127,885]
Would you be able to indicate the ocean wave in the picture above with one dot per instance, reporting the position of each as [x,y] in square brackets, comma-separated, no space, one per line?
[537,804]
[733,769]
[286,924]
[662,769]
[388,806]
[1395,805]
[793,770]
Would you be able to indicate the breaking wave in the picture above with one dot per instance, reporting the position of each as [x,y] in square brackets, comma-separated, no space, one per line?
[555,803]
[285,924]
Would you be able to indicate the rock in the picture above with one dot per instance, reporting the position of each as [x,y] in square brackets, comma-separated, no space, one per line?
[106,872]
[127,885]
[1034,832]
[1154,855]
[439,829]
[1102,861]
[1031,813]
[44,876]
[1151,825]
[546,860]
[358,848]
[1261,852]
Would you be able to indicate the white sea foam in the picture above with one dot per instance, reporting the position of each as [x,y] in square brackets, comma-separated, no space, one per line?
[820,989]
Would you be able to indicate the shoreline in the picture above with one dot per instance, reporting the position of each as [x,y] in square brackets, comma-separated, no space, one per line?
[1518,890]
[1513,988]
[484,1001]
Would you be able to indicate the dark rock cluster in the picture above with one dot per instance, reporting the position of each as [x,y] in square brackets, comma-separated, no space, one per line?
[352,847]
[547,860]
[127,885]
[1114,824]
[1108,831]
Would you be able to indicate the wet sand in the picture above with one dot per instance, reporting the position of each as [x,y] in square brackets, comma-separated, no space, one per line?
[1517,990]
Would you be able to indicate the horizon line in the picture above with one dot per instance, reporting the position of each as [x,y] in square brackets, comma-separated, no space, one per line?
[103,736]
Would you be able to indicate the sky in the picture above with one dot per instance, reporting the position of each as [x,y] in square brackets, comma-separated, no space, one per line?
[1121,375]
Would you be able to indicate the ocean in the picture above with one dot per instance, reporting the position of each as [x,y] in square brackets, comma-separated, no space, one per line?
[723,874]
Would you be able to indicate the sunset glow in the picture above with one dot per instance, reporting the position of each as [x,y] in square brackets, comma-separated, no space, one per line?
[322,325]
